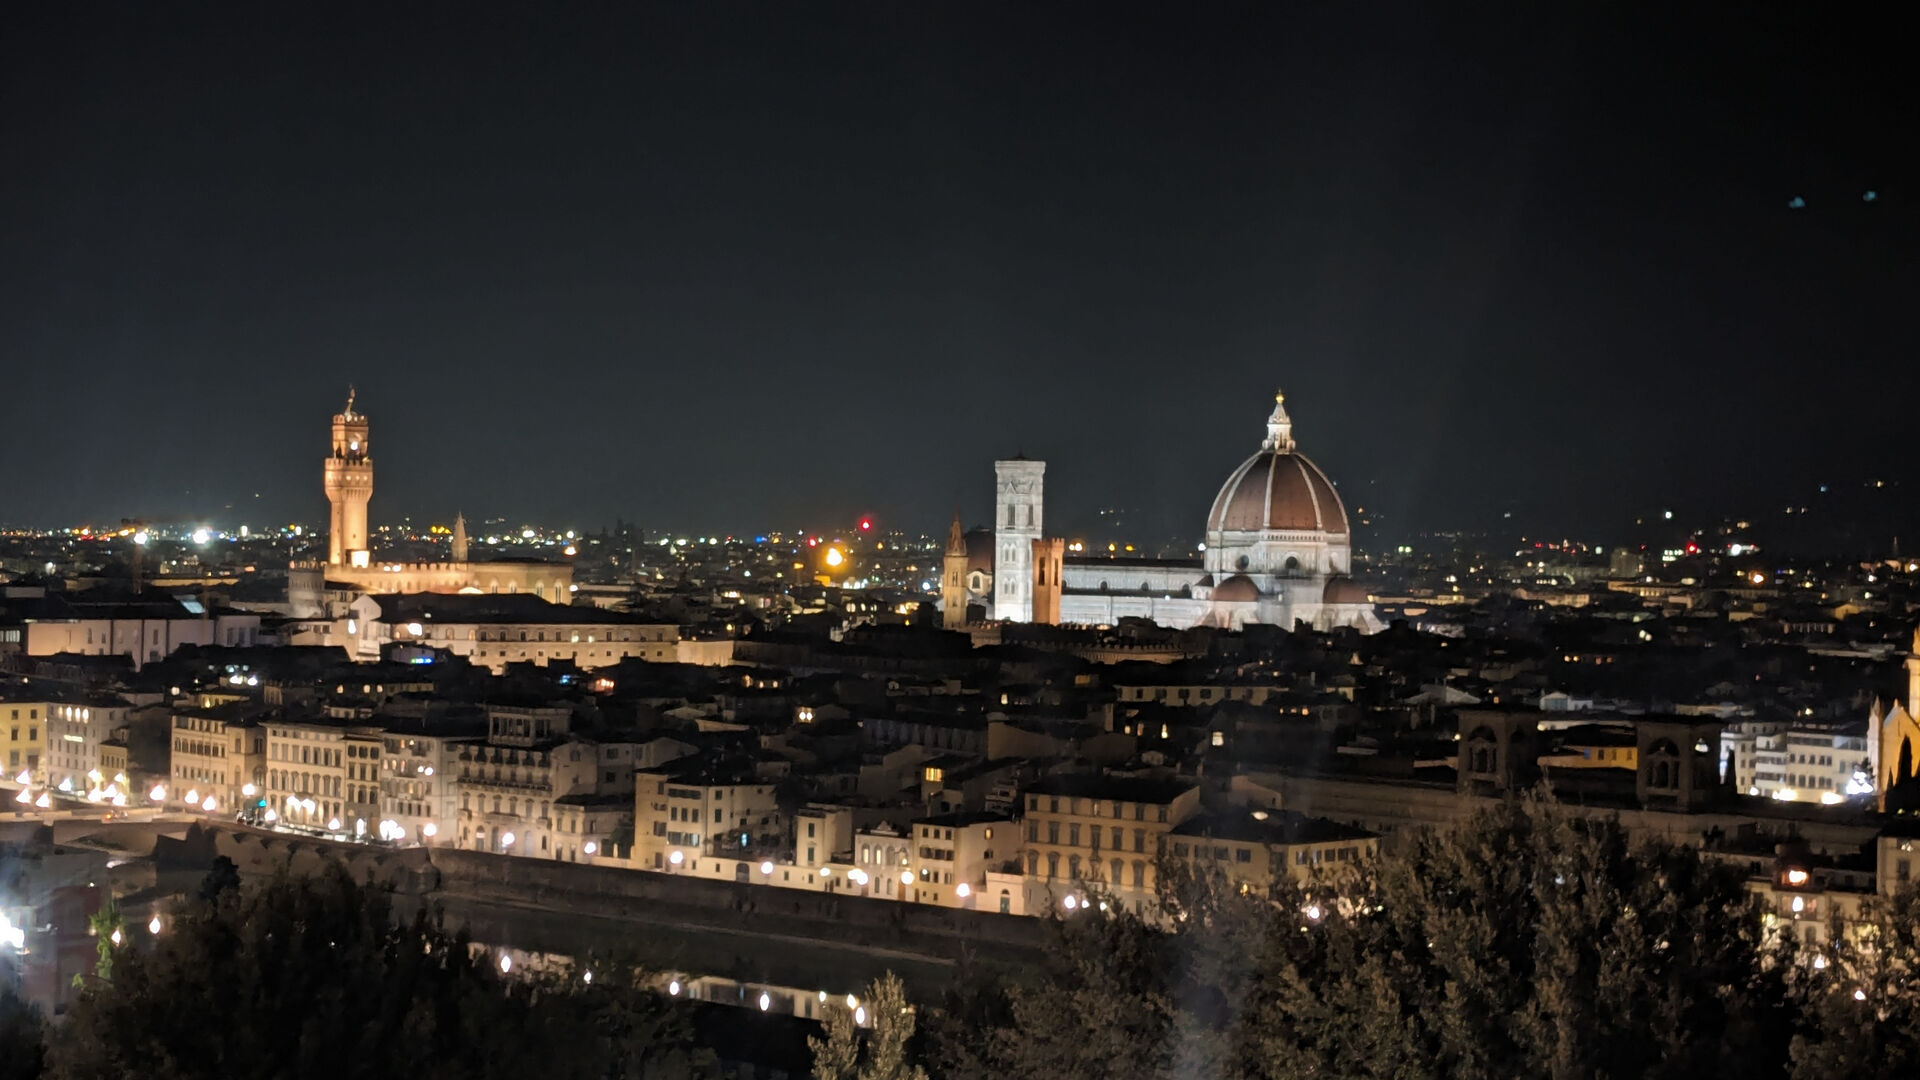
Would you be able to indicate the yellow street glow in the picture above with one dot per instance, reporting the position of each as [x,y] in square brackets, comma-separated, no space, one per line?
[834,558]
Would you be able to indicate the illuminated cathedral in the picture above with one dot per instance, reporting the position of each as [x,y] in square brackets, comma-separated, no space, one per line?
[1278,552]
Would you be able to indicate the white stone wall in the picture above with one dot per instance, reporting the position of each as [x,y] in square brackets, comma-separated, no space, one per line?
[1017,523]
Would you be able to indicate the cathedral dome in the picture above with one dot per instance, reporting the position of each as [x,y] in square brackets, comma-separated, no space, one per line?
[1278,489]
[1345,590]
[1238,589]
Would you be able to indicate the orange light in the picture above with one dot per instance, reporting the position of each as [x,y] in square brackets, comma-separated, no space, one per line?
[1796,877]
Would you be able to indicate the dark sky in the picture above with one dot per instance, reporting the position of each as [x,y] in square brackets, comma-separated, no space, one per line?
[731,267]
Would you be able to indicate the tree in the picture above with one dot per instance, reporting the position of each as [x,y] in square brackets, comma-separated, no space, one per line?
[22,1039]
[885,1052]
[1526,941]
[1104,1010]
[1860,996]
[315,977]
[222,877]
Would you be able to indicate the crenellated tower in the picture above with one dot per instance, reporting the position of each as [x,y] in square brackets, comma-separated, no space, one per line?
[349,484]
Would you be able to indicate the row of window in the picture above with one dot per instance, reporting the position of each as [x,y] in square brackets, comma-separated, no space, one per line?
[1116,869]
[1114,808]
[1116,834]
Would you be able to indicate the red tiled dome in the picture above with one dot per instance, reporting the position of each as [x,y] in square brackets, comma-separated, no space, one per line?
[1278,490]
[1238,589]
[1345,590]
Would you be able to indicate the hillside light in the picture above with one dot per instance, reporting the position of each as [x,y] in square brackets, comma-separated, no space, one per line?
[673,988]
[506,963]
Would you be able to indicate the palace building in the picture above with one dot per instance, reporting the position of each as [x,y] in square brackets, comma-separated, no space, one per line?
[353,567]
[1278,552]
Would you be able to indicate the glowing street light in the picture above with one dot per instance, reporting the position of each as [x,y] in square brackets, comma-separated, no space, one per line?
[906,877]
[153,925]
[333,824]
[860,1016]
[25,777]
[590,847]
[673,988]
[676,858]
[158,794]
[965,890]
[209,804]
[116,936]
[506,841]
[765,1001]
[44,801]
[429,830]
[249,790]
[506,963]
[25,796]
[766,868]
[193,796]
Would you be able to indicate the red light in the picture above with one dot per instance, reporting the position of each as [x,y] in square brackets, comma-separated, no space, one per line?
[813,541]
[865,524]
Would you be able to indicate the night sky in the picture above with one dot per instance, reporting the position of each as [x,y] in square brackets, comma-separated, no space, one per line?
[734,267]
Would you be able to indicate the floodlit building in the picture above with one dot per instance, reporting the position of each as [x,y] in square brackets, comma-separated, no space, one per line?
[1100,831]
[352,564]
[218,753]
[1278,551]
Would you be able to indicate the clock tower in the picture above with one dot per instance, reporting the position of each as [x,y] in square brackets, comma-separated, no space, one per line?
[349,483]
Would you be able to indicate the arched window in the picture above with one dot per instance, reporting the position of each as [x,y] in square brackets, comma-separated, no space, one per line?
[1139,874]
[1073,867]
[1115,866]
[1293,564]
[1053,865]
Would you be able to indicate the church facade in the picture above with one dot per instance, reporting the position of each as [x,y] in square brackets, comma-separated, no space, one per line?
[1278,551]
[352,566]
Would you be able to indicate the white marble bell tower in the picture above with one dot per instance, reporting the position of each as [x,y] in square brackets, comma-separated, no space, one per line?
[1016,525]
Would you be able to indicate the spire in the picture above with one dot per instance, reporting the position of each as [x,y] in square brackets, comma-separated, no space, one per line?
[1279,426]
[349,410]
[956,537]
[459,537]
